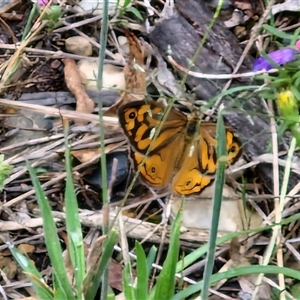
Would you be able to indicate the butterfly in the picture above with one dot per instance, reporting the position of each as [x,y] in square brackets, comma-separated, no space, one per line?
[181,151]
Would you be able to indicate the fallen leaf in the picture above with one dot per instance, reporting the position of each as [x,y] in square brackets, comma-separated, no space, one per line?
[115,270]
[26,248]
[85,155]
[135,76]
[8,266]
[73,80]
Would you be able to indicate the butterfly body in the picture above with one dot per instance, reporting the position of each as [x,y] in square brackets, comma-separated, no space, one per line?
[180,150]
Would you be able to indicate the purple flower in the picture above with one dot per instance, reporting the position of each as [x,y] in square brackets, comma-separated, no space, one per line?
[280,57]
[42,3]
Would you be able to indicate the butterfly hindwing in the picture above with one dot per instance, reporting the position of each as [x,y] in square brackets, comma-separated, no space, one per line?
[158,168]
[189,179]
[200,165]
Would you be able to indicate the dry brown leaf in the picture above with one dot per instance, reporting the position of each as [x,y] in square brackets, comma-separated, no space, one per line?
[26,248]
[85,155]
[94,252]
[135,76]
[8,266]
[73,80]
[128,213]
[239,257]
[115,270]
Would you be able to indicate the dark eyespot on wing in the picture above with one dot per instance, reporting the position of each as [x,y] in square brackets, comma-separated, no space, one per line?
[191,182]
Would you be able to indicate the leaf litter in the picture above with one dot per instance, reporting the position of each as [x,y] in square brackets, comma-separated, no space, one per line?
[41,69]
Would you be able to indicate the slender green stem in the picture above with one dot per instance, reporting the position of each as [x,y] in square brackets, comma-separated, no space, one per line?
[105,226]
[217,202]
[29,21]
[103,41]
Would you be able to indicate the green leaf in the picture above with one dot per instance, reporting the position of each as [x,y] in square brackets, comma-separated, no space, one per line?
[165,285]
[111,295]
[295,290]
[59,292]
[5,170]
[128,286]
[135,12]
[23,261]
[295,92]
[281,81]
[217,201]
[278,33]
[230,91]
[267,95]
[42,290]
[151,258]
[296,83]
[53,13]
[142,273]
[51,238]
[38,284]
[30,20]
[236,272]
[126,3]
[295,38]
[91,287]
[75,245]
[264,77]
[296,75]
[201,251]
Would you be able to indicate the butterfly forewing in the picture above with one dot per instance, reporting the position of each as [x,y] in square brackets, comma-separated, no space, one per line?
[141,120]
[151,142]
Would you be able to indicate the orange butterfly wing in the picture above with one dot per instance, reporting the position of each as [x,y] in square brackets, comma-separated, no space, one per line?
[199,167]
[153,157]
[178,154]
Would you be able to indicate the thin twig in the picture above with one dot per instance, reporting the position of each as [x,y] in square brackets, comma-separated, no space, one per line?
[217,76]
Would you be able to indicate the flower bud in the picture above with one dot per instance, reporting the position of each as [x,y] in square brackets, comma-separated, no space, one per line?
[288,106]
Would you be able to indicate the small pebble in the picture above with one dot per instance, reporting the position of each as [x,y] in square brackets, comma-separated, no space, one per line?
[79,45]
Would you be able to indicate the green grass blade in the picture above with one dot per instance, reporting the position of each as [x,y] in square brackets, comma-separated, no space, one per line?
[29,23]
[38,284]
[217,201]
[90,288]
[59,292]
[199,252]
[111,295]
[166,281]
[105,195]
[51,238]
[279,33]
[43,290]
[237,89]
[76,245]
[241,271]
[128,286]
[151,258]
[142,273]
